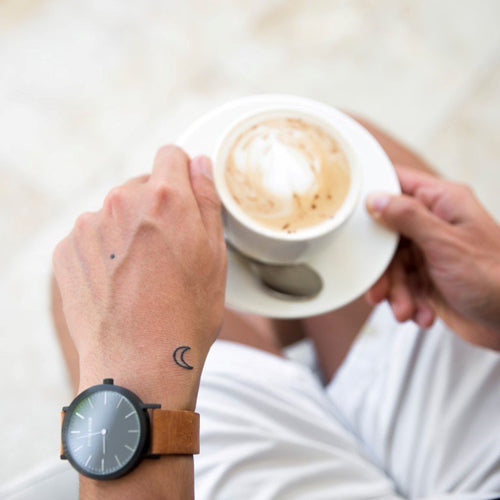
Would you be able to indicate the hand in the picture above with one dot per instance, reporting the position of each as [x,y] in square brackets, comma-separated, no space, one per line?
[448,261]
[145,275]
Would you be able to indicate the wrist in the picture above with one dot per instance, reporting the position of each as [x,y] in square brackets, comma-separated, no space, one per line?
[172,387]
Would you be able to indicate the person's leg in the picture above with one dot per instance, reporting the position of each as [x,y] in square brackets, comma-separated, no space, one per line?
[249,330]
[267,334]
[333,333]
[397,152]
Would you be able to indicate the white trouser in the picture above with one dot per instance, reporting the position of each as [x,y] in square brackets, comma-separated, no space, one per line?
[410,414]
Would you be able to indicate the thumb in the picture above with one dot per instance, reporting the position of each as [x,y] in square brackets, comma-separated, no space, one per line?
[405,215]
[205,193]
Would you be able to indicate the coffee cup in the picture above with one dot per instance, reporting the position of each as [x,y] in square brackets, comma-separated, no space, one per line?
[287,178]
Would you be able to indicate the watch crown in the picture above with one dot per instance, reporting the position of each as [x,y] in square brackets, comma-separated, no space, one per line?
[108,381]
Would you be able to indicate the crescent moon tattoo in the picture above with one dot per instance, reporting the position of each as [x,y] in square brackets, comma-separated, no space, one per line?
[178,356]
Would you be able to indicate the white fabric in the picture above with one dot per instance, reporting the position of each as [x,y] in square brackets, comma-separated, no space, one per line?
[410,413]
[51,480]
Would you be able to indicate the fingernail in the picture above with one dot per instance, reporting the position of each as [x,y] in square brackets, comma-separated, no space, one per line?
[376,202]
[205,166]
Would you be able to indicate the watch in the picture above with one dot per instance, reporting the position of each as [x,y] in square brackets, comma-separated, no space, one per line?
[107,431]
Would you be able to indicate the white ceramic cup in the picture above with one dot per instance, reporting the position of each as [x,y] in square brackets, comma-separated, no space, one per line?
[263,243]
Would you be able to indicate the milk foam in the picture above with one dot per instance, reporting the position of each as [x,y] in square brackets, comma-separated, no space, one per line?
[287,174]
[282,167]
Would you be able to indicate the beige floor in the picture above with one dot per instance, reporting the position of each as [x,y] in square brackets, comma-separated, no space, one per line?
[89,89]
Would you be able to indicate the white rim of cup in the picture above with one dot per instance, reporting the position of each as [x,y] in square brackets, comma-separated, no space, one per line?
[297,111]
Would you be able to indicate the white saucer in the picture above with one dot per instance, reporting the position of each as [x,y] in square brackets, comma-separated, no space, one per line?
[358,252]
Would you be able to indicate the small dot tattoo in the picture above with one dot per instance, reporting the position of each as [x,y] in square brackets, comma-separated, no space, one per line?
[112,256]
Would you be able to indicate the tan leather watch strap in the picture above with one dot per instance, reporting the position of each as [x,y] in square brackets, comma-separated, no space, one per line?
[62,420]
[175,432]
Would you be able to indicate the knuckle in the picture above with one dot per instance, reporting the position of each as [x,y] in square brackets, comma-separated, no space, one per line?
[83,221]
[462,190]
[163,191]
[115,196]
[406,210]
[166,196]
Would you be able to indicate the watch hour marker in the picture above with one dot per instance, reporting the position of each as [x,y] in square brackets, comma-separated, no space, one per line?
[133,430]
[118,460]
[120,400]
[74,432]
[79,415]
[79,448]
[102,464]
[105,397]
[88,460]
[129,448]
[130,414]
[90,403]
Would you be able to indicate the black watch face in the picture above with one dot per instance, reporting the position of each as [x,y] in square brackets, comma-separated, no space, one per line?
[104,431]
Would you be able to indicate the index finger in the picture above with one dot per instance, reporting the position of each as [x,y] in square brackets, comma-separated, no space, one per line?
[171,167]
[411,180]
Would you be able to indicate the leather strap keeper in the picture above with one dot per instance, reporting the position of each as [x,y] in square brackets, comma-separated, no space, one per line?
[175,432]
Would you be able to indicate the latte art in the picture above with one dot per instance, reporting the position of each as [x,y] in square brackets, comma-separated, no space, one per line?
[287,174]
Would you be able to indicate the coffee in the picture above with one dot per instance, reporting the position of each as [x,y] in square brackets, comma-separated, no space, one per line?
[287,174]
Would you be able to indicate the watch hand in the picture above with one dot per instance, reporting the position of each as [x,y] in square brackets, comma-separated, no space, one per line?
[88,435]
